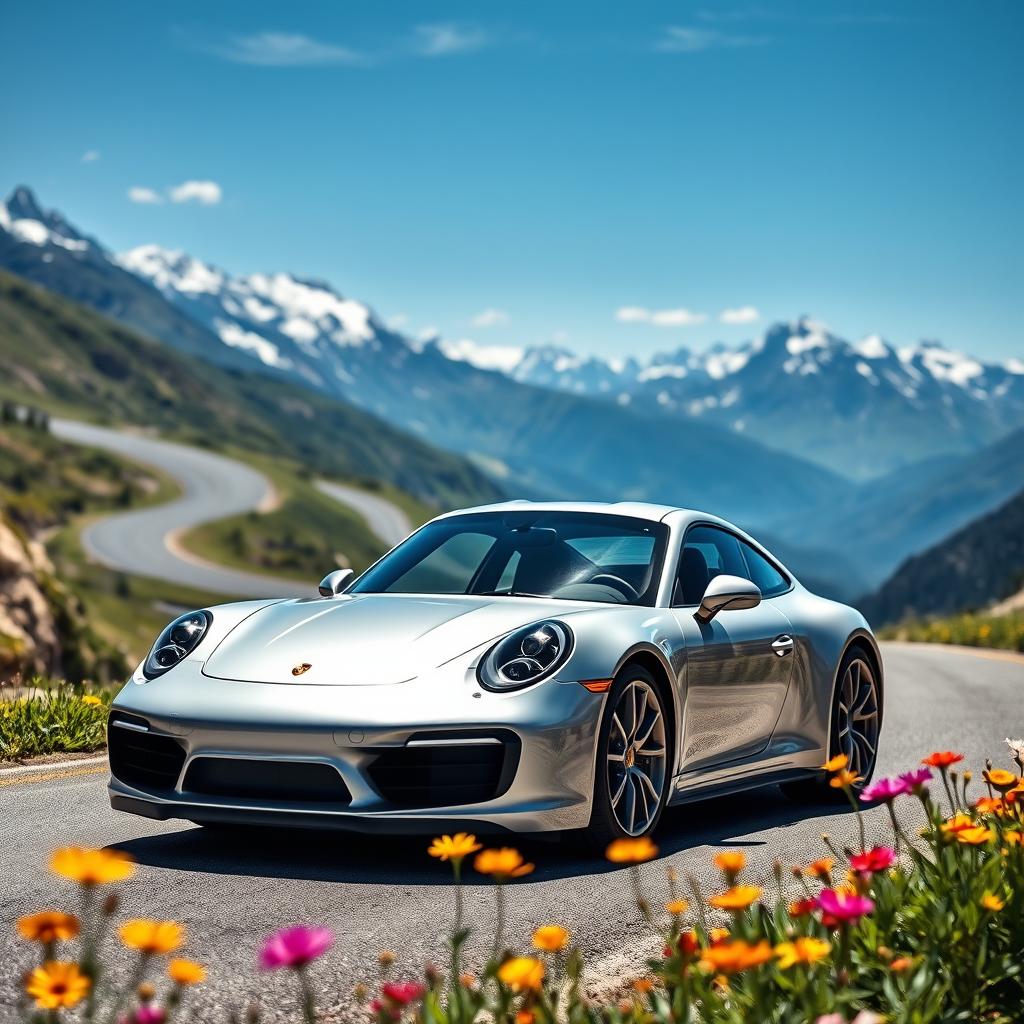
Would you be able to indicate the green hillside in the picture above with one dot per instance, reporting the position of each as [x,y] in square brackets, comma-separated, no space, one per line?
[978,565]
[74,362]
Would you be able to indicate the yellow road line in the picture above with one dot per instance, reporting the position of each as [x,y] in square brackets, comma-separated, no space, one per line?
[63,773]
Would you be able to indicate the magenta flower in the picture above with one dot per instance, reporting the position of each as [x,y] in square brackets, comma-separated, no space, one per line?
[146,1015]
[839,908]
[885,790]
[872,861]
[402,992]
[916,779]
[295,947]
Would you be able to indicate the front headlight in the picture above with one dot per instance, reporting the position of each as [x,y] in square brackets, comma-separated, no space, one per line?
[176,642]
[526,656]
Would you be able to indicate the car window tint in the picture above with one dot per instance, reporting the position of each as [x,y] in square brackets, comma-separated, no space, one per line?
[707,552]
[605,551]
[508,574]
[768,579]
[448,569]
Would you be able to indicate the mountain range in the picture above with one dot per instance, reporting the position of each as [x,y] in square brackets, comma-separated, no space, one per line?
[850,456]
[855,407]
[973,568]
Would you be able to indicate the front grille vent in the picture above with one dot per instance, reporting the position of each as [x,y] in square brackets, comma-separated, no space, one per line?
[446,770]
[142,759]
[267,782]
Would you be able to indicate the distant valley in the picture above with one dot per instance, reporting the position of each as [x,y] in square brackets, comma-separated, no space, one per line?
[850,456]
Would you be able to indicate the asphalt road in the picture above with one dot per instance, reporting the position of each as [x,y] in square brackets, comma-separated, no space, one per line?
[385,893]
[384,518]
[213,486]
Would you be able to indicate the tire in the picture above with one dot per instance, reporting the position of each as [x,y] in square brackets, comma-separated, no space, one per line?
[856,676]
[636,791]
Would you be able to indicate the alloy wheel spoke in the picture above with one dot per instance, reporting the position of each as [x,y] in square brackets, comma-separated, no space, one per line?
[618,725]
[618,793]
[639,741]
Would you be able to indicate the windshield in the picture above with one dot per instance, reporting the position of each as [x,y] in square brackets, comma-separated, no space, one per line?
[575,556]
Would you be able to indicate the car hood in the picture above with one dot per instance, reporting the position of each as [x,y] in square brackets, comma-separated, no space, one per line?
[366,639]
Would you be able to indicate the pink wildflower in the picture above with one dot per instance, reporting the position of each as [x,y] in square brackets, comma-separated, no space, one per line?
[885,790]
[916,779]
[402,992]
[295,947]
[838,908]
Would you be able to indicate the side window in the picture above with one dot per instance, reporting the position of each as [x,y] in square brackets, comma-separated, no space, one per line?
[448,569]
[769,580]
[707,552]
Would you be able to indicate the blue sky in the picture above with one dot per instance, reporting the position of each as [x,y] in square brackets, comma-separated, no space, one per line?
[517,173]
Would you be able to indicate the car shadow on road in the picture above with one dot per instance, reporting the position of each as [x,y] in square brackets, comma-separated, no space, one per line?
[734,821]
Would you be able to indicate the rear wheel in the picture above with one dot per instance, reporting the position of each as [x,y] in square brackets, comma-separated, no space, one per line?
[856,722]
[632,773]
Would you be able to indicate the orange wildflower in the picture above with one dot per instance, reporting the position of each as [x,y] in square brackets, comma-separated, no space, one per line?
[844,779]
[550,938]
[739,897]
[57,984]
[48,926]
[1000,778]
[730,862]
[152,936]
[92,867]
[186,972]
[990,901]
[732,957]
[821,868]
[977,835]
[942,759]
[453,848]
[835,764]
[631,851]
[522,973]
[502,864]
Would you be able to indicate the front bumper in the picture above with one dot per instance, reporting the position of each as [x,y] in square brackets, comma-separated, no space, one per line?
[406,757]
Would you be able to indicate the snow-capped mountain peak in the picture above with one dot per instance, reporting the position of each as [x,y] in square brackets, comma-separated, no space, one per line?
[25,220]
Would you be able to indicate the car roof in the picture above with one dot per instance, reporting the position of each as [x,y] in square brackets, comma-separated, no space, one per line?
[634,509]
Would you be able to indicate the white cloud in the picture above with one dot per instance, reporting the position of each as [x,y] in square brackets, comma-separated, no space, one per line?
[659,317]
[398,321]
[740,315]
[206,192]
[283,50]
[684,39]
[90,156]
[633,314]
[141,194]
[442,40]
[491,318]
[676,318]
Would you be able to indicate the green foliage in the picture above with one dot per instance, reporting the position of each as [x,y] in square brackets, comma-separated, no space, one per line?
[997,631]
[46,717]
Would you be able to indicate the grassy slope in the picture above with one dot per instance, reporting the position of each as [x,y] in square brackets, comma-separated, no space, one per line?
[1004,632]
[306,536]
[72,361]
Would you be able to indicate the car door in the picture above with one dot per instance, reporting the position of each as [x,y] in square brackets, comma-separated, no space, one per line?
[738,665]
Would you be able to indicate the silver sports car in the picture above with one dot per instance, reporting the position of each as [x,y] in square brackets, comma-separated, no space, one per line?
[524,667]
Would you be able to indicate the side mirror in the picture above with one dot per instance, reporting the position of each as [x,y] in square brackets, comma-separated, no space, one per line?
[727,593]
[334,582]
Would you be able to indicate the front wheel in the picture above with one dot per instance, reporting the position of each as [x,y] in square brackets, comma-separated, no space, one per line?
[632,774]
[856,723]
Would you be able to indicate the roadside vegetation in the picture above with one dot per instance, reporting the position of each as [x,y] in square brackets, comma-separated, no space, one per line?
[1004,632]
[47,717]
[922,923]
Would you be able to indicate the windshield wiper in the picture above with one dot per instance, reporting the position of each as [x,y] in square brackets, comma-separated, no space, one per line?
[507,593]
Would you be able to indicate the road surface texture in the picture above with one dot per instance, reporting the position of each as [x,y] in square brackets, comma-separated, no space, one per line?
[385,893]
[386,520]
[144,542]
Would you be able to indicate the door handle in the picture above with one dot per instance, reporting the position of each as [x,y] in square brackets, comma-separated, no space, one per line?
[782,645]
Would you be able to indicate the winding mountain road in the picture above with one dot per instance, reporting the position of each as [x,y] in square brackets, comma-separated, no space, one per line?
[231,889]
[145,541]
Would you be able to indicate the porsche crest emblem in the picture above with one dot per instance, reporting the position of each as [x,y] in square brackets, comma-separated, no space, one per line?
[301,668]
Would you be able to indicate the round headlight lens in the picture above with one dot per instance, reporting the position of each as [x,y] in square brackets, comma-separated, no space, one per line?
[526,656]
[177,641]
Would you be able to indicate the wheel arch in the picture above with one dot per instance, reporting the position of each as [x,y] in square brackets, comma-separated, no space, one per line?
[863,641]
[653,660]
